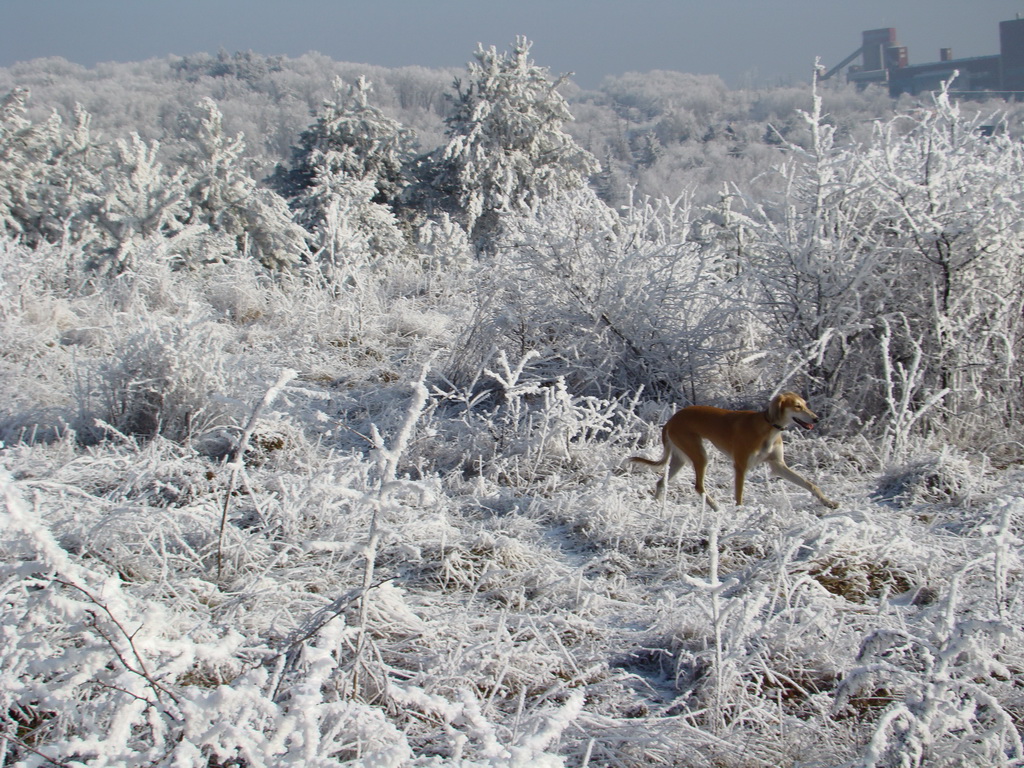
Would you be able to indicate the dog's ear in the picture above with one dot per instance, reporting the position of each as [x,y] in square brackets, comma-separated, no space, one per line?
[775,409]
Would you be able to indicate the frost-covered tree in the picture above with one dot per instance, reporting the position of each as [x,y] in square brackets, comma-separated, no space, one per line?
[347,174]
[43,170]
[350,137]
[889,275]
[224,197]
[248,66]
[814,251]
[507,147]
[138,199]
[953,199]
[20,147]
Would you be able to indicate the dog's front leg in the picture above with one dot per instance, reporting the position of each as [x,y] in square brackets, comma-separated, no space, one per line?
[780,469]
[740,468]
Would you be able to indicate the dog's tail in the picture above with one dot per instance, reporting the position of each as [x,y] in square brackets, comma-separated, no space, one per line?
[660,463]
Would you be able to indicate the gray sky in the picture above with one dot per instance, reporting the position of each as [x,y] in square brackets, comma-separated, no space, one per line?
[745,41]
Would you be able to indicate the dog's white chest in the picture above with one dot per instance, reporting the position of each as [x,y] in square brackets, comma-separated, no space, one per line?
[764,451]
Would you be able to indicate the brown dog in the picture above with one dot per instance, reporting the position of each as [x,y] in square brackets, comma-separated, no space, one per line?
[747,437]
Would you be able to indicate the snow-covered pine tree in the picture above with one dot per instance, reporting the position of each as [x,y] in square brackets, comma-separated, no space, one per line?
[506,145]
[43,170]
[225,198]
[346,175]
[138,199]
[19,145]
[351,136]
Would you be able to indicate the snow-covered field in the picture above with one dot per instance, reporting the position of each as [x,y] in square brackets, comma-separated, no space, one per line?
[401,573]
[365,503]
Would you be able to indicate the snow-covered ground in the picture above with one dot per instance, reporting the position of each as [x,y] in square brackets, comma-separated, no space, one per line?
[403,572]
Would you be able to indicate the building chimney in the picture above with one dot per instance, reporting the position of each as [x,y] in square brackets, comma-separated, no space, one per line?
[945,54]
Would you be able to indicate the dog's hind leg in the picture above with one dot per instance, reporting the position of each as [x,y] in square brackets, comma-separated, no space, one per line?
[676,461]
[693,447]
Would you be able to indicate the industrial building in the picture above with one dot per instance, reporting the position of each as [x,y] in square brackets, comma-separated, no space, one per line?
[885,62]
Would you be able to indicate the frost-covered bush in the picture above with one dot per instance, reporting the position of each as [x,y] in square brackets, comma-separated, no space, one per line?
[814,249]
[888,271]
[515,425]
[946,686]
[611,301]
[143,690]
[444,245]
[349,230]
[953,195]
[945,477]
[162,379]
[136,199]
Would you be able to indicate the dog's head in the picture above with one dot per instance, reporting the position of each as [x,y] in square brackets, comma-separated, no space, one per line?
[789,408]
